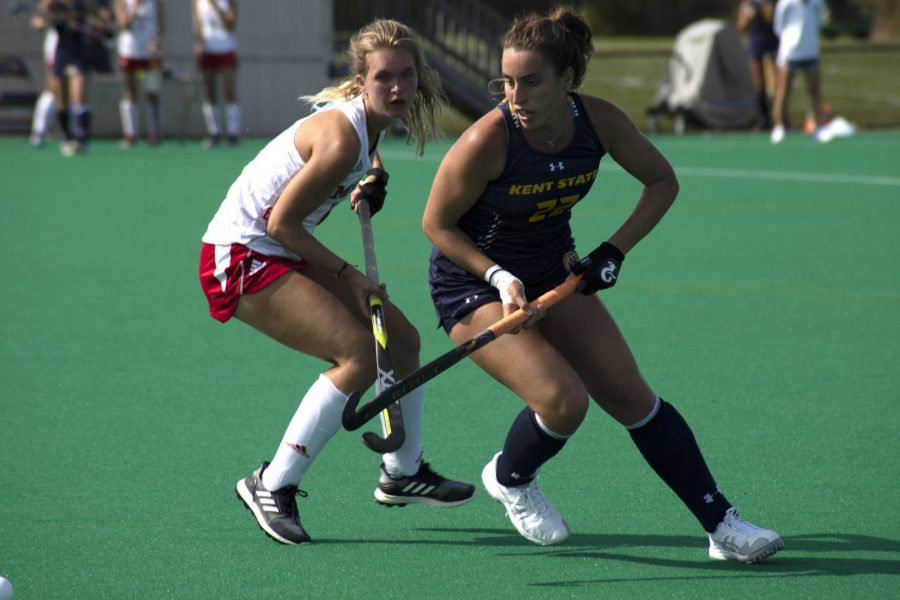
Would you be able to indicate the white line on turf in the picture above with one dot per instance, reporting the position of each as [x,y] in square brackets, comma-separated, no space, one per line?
[609,167]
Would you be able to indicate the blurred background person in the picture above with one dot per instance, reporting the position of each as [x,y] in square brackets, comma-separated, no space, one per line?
[215,46]
[756,19]
[45,106]
[797,25]
[70,19]
[140,24]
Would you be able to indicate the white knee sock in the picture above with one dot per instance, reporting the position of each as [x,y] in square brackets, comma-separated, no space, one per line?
[44,112]
[233,119]
[209,115]
[128,114]
[407,459]
[316,421]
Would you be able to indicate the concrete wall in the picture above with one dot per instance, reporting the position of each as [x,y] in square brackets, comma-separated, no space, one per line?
[284,48]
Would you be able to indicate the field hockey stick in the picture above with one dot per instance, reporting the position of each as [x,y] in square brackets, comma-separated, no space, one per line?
[391,414]
[353,418]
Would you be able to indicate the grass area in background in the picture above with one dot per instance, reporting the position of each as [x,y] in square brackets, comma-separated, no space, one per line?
[859,80]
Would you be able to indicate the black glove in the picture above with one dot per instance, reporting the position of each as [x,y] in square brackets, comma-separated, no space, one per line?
[375,191]
[599,269]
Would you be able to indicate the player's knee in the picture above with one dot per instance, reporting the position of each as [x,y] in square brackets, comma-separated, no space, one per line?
[355,355]
[574,410]
[404,337]
[628,406]
[566,407]
[410,340]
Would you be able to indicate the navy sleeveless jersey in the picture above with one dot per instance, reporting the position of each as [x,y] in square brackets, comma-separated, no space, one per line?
[521,220]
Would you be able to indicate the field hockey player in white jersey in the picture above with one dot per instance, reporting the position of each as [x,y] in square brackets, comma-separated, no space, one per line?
[215,46]
[45,106]
[140,24]
[261,263]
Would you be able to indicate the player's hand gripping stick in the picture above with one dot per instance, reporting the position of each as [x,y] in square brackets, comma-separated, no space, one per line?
[353,418]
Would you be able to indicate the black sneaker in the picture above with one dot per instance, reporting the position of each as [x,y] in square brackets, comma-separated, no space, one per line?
[425,487]
[275,511]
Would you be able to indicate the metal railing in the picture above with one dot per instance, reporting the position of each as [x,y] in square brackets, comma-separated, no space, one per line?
[461,38]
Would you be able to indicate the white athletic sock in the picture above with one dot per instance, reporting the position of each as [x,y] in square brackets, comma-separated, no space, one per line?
[209,115]
[316,421]
[128,114]
[44,113]
[406,460]
[233,119]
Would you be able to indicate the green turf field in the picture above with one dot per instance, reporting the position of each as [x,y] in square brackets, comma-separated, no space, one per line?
[766,307]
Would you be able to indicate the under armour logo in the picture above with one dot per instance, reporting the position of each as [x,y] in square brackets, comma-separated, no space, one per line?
[557,165]
[515,476]
[710,498]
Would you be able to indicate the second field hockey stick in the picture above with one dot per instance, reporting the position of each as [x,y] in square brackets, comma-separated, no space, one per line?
[392,415]
[353,418]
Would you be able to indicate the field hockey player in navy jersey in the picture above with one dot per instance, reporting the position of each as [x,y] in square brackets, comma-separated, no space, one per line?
[498,216]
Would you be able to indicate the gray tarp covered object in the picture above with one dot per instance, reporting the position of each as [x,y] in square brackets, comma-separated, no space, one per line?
[708,80]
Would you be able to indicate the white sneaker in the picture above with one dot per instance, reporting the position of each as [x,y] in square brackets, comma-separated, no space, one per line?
[823,134]
[68,148]
[530,512]
[736,539]
[777,134]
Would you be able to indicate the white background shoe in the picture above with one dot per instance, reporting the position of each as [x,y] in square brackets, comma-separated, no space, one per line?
[823,135]
[529,511]
[777,134]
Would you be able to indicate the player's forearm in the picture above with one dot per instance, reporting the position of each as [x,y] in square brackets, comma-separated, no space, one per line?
[459,248]
[301,242]
[654,202]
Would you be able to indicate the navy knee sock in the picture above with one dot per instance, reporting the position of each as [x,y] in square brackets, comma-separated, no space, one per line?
[83,124]
[527,447]
[62,117]
[668,445]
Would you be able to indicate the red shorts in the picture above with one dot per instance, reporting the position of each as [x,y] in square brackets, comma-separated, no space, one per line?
[138,64]
[212,62]
[229,272]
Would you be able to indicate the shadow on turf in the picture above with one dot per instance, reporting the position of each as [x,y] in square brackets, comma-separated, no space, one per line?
[802,557]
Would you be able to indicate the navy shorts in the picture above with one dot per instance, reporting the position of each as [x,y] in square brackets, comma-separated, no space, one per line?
[70,53]
[455,292]
[806,64]
[760,45]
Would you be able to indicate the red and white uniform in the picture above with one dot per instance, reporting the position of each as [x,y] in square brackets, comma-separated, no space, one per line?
[217,39]
[243,214]
[238,257]
[134,42]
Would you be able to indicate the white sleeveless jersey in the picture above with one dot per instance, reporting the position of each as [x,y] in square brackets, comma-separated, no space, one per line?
[134,42]
[243,215]
[216,38]
[797,24]
[50,40]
